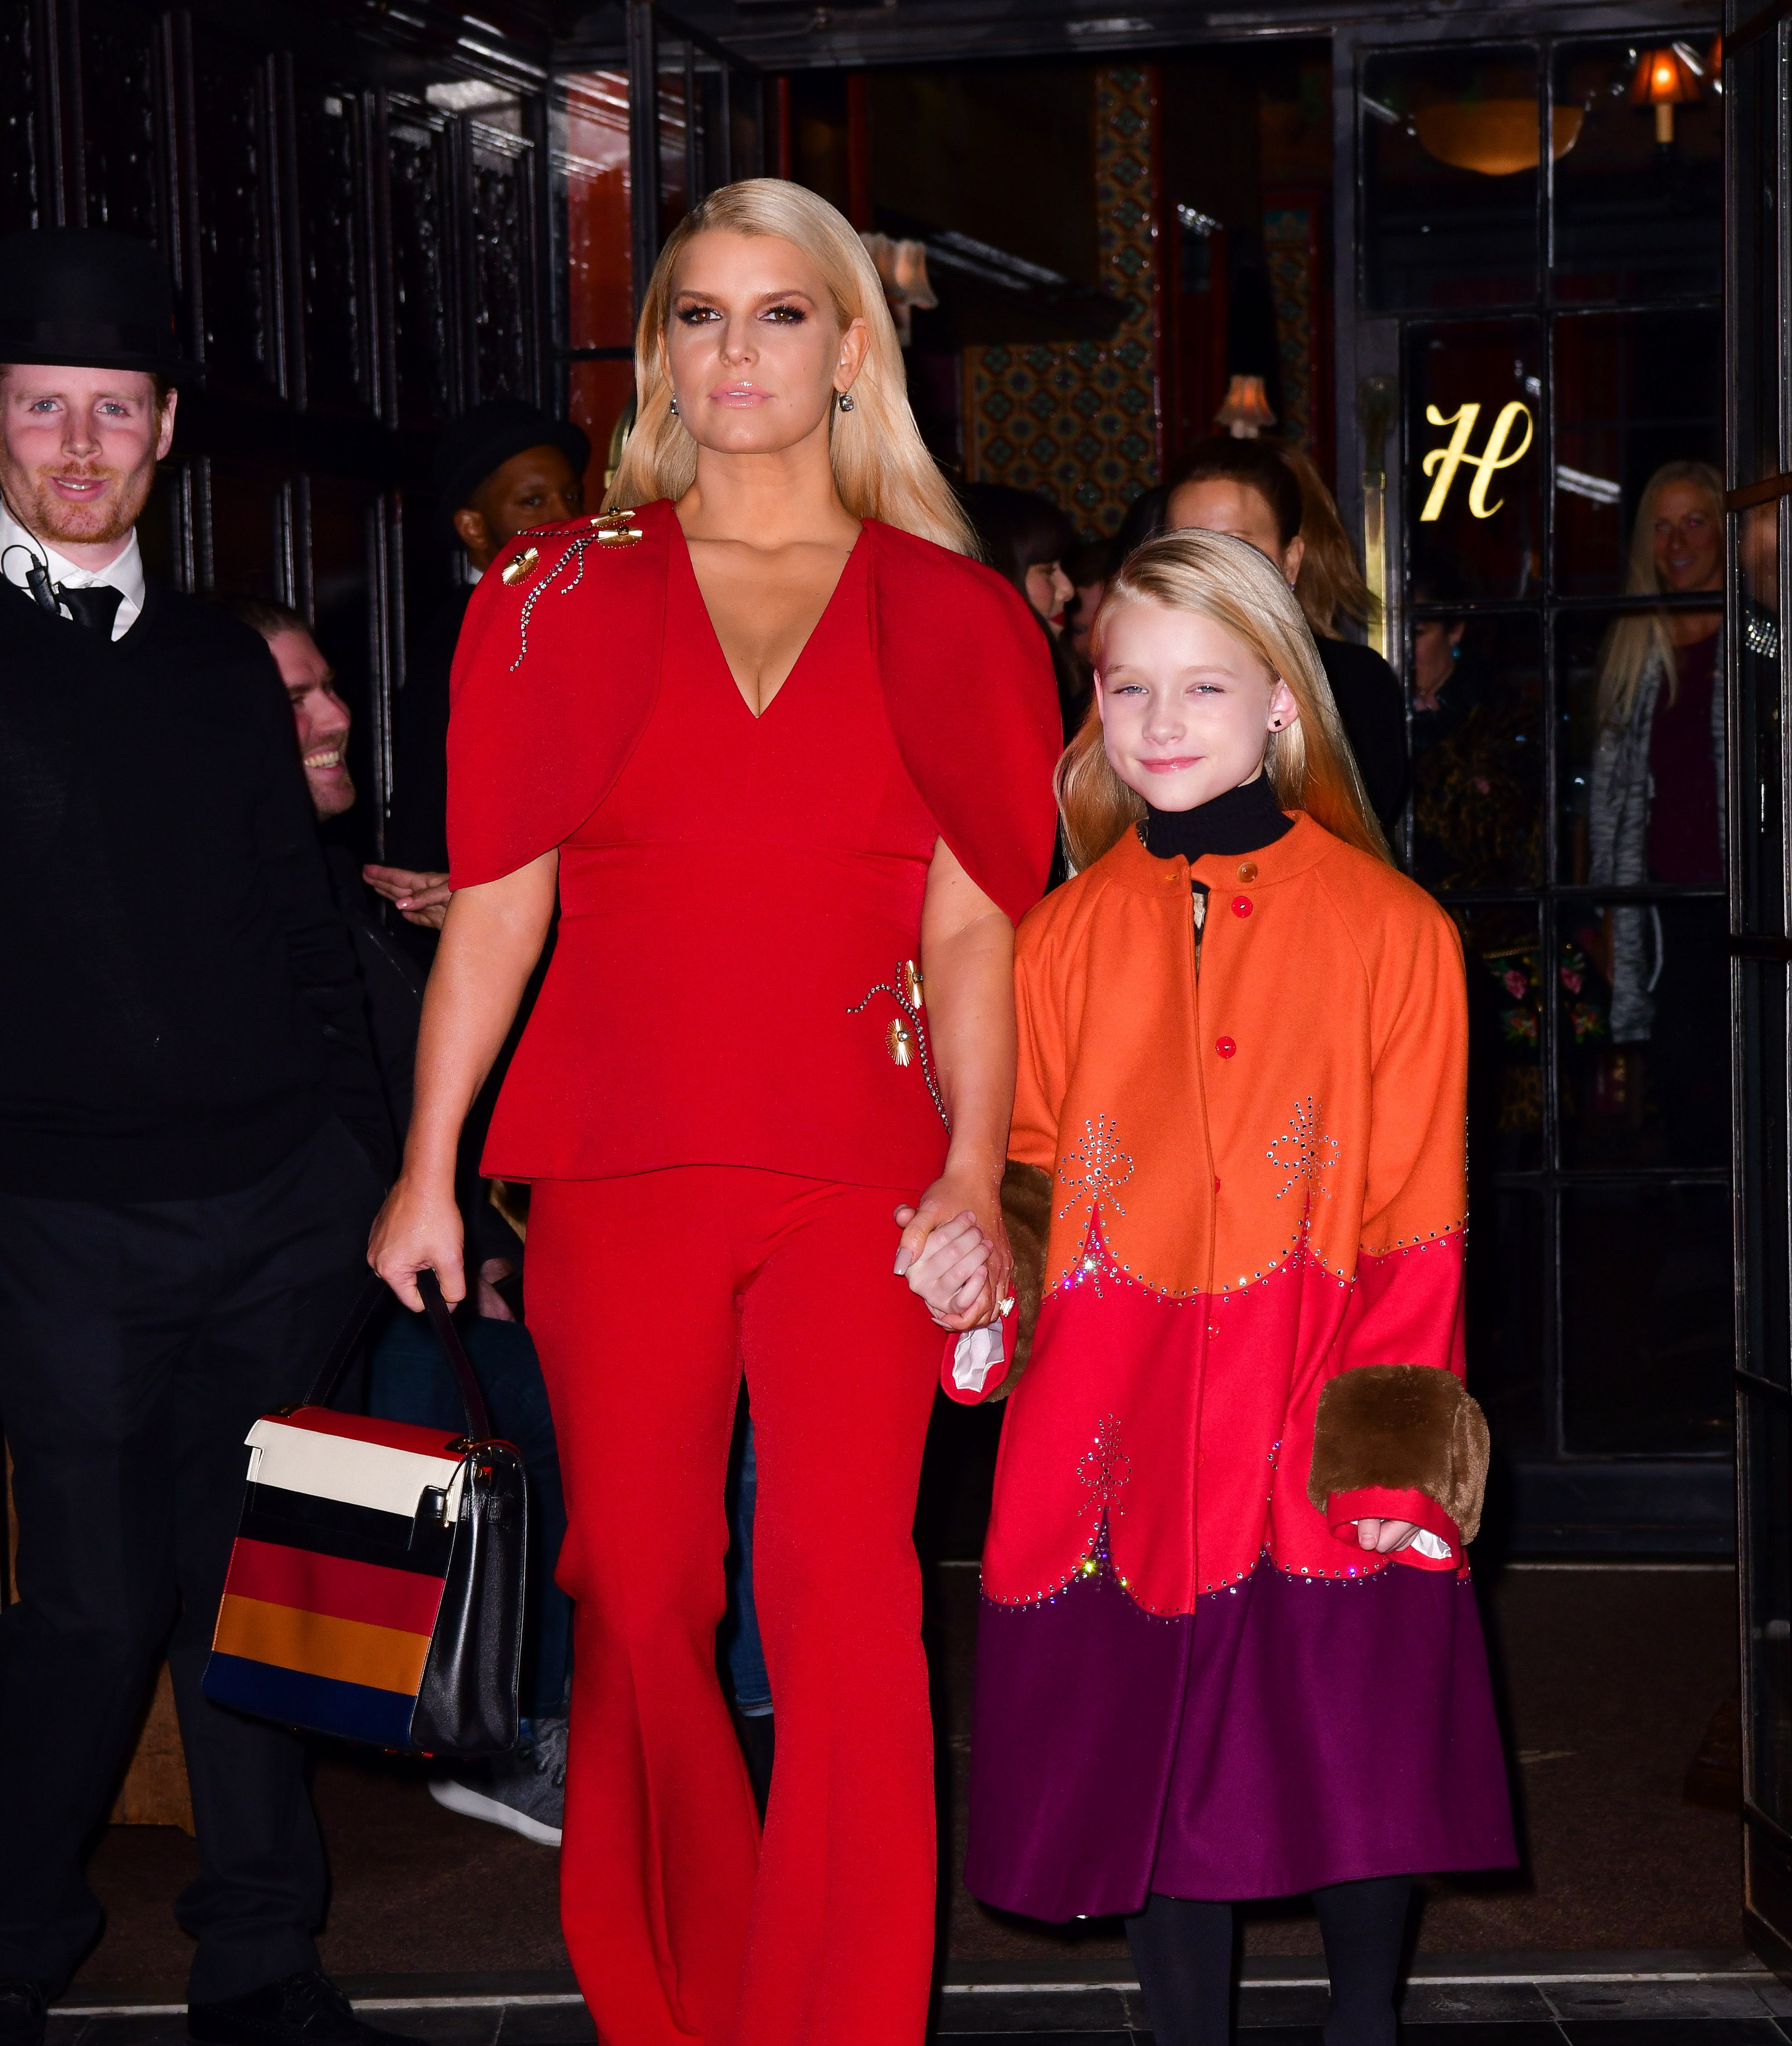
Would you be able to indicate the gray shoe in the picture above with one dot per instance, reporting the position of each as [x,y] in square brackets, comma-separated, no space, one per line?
[525,1791]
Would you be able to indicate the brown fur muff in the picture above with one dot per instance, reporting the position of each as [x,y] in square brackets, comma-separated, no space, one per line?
[1026,1213]
[1402,1427]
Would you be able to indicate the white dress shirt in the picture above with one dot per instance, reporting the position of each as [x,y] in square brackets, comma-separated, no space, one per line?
[20,551]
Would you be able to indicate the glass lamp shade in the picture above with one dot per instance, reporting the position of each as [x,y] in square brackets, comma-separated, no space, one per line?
[1246,412]
[1494,137]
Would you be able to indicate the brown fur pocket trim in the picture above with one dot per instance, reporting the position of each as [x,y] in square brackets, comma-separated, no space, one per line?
[1402,1427]
[1026,1213]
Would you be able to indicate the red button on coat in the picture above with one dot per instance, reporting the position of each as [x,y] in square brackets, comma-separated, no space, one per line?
[1225,1048]
[1241,905]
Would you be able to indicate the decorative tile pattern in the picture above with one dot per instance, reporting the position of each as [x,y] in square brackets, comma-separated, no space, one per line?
[1078,421]
[1291,245]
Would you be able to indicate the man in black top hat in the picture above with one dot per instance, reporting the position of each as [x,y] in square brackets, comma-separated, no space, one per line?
[192,1144]
[501,467]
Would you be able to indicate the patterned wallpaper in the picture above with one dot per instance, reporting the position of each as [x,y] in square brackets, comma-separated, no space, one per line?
[1078,421]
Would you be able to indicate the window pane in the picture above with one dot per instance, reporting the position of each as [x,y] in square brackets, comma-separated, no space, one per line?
[1639,192]
[1760,731]
[1450,143]
[1754,280]
[1505,1071]
[1474,391]
[1638,396]
[1764,1167]
[1478,766]
[1507,1292]
[1640,746]
[1767,1532]
[1646,1320]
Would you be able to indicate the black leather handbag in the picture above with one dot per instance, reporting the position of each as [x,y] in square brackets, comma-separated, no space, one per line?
[376,1586]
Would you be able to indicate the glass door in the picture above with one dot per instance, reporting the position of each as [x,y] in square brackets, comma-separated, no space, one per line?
[1538,277]
[1756,80]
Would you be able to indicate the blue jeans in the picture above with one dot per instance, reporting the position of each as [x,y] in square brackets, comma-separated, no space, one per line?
[408,1379]
[746,1658]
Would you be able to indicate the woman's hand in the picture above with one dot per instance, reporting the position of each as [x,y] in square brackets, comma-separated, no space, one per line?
[419,1227]
[1384,1538]
[421,898]
[949,1199]
[950,1271]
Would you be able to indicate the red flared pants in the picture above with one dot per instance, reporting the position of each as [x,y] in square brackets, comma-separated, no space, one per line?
[647,1296]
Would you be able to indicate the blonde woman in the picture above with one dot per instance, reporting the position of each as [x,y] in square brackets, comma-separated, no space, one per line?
[786,753]
[1655,805]
[1229,1646]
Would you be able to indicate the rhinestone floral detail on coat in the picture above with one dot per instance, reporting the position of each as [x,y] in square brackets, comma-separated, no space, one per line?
[1097,1169]
[1105,1470]
[1302,1152]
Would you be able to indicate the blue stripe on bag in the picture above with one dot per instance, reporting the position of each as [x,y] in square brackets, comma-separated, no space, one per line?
[325,1705]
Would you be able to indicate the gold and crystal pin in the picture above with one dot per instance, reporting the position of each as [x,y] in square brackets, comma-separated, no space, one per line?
[525,565]
[613,528]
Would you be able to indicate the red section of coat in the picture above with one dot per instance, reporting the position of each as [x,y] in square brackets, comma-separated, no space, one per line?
[539,736]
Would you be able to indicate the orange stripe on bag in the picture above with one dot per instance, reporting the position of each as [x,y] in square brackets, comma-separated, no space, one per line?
[349,1650]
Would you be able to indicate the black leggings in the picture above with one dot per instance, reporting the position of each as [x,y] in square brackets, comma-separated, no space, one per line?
[1183,1951]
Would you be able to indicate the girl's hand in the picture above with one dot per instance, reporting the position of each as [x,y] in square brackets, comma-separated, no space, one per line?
[419,1225]
[1385,1537]
[949,1273]
[945,1201]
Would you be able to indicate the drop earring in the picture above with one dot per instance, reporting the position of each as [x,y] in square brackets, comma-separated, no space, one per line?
[846,398]
[675,404]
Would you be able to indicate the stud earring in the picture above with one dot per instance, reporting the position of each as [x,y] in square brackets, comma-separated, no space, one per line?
[846,398]
[675,404]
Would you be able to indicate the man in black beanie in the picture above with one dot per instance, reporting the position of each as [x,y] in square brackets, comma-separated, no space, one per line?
[501,467]
[192,1144]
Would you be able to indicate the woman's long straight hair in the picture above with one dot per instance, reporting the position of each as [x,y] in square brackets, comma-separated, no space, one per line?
[1633,642]
[881,466]
[1309,763]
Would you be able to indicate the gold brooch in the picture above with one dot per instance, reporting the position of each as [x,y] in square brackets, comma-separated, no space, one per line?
[901,1041]
[912,985]
[524,564]
[613,528]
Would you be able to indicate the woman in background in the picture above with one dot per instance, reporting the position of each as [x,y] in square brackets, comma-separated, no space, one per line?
[1272,496]
[1026,540]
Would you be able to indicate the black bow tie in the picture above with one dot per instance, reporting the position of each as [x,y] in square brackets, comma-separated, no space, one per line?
[96,608]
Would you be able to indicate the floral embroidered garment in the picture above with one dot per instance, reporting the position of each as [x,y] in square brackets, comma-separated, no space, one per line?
[1190,1679]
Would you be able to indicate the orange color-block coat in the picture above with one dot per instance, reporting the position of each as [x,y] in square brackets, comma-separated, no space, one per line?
[1259,1182]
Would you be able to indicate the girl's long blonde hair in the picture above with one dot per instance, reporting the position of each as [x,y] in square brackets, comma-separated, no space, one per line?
[882,467]
[1633,642]
[1309,762]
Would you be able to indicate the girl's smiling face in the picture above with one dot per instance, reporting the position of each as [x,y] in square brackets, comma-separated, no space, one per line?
[1186,708]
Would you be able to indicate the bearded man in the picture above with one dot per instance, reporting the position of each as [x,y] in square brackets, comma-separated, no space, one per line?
[192,1144]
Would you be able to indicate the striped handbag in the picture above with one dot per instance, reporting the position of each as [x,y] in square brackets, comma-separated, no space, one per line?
[375,1589]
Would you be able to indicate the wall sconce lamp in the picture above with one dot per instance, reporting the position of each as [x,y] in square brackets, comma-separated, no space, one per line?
[1246,412]
[1666,78]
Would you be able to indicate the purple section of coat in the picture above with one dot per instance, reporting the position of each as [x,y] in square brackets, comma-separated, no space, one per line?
[1291,1732]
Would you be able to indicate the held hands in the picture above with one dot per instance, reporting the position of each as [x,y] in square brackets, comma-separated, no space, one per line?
[421,898]
[419,1227]
[1383,1538]
[954,1253]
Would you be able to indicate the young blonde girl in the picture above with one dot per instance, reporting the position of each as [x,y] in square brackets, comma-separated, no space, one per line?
[1228,1647]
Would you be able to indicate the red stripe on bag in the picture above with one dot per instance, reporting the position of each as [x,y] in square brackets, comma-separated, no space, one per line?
[361,1428]
[370,1592]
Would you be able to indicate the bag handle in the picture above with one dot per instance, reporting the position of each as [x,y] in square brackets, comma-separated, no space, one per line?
[472,1400]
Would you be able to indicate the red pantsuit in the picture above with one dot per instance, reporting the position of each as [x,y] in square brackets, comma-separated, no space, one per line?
[710,1101]
[658,1290]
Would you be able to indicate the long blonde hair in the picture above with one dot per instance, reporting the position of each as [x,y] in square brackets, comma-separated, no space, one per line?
[882,467]
[1632,643]
[1309,762]
[1329,583]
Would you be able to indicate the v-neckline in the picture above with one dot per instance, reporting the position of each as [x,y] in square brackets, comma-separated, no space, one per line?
[759,716]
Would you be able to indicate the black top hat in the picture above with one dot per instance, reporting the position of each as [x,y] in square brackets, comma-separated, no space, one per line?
[485,437]
[89,298]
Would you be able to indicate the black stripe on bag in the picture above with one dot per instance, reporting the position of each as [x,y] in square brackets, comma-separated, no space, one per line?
[356,1534]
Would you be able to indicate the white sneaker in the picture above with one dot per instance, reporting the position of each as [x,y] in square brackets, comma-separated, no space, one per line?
[525,1791]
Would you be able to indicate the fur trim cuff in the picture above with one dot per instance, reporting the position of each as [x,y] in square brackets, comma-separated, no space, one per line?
[1402,1427]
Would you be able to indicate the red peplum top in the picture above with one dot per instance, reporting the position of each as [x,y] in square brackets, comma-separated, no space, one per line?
[738,894]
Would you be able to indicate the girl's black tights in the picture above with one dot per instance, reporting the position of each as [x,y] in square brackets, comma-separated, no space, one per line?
[1183,1951]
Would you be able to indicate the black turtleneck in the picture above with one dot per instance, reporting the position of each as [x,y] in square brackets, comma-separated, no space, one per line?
[1243,819]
